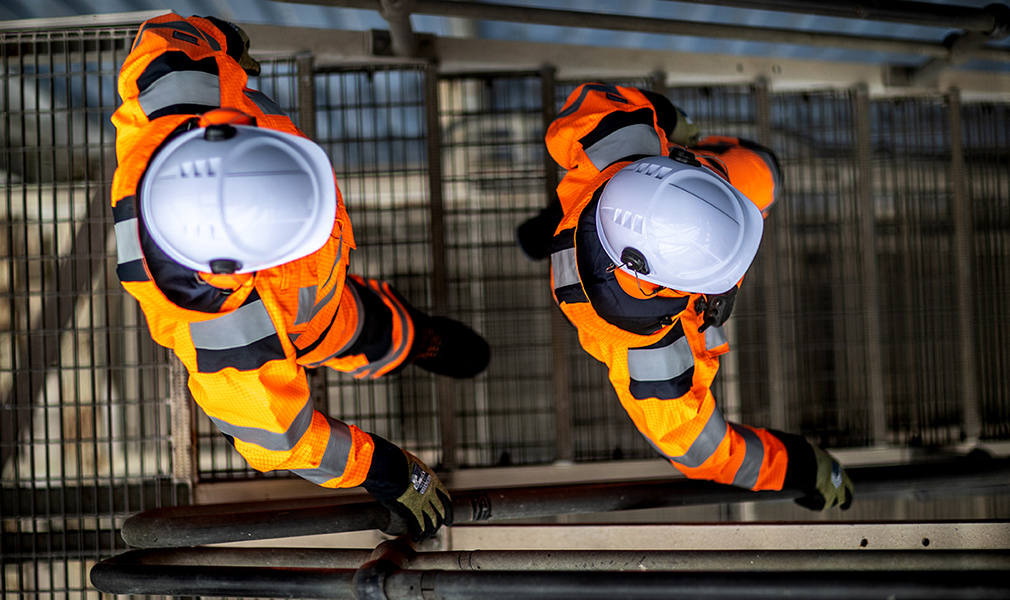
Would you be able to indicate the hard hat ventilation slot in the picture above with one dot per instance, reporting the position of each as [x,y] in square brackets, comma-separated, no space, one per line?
[653,170]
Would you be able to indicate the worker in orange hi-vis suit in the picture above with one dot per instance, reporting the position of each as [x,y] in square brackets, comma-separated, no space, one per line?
[649,242]
[233,236]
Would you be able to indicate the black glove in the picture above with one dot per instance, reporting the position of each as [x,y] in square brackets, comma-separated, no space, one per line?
[679,128]
[238,45]
[408,488]
[817,474]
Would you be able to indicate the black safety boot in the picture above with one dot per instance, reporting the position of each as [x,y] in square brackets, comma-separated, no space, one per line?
[535,234]
[447,347]
[444,346]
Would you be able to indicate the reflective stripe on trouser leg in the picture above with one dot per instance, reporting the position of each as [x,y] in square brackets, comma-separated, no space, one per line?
[403,333]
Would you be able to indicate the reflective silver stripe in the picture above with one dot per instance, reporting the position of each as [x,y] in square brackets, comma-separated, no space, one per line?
[626,141]
[265,103]
[278,442]
[706,442]
[181,87]
[357,332]
[395,352]
[660,364]
[241,327]
[306,302]
[128,242]
[565,266]
[336,261]
[184,27]
[334,460]
[714,337]
[747,476]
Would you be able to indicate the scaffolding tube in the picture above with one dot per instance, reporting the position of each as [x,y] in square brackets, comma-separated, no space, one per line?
[578,560]
[990,20]
[618,22]
[381,580]
[210,524]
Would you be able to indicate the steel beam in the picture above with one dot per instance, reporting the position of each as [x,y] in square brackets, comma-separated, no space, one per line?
[618,22]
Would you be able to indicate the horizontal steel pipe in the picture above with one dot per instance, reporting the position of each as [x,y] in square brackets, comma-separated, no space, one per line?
[583,560]
[533,585]
[988,20]
[167,527]
[243,582]
[210,524]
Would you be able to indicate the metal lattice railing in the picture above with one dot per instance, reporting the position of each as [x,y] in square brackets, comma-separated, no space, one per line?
[85,429]
[874,313]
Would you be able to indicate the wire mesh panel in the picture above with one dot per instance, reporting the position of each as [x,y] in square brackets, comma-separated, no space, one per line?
[84,417]
[987,166]
[372,122]
[918,267]
[493,173]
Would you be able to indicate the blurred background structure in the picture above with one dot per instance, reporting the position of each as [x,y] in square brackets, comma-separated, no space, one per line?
[875,319]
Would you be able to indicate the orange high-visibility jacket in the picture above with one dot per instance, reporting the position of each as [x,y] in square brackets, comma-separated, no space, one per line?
[661,366]
[246,340]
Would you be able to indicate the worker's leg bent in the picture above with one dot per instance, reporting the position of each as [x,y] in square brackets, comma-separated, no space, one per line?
[392,334]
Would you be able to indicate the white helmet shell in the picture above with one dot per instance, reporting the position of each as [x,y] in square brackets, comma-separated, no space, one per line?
[255,197]
[695,232]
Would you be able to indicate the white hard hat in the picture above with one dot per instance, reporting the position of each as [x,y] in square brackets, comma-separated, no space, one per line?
[238,198]
[676,224]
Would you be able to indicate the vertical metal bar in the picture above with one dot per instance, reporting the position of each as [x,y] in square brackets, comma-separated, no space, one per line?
[306,89]
[305,69]
[184,466]
[563,442]
[772,280]
[963,232]
[868,268]
[444,387]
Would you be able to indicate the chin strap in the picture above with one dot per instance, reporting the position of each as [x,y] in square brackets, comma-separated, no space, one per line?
[716,308]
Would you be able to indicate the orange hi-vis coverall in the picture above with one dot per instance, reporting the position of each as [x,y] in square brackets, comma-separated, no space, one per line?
[661,364]
[246,340]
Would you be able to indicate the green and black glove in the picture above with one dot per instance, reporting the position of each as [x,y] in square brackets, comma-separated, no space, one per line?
[238,45]
[818,474]
[408,488]
[685,133]
[679,128]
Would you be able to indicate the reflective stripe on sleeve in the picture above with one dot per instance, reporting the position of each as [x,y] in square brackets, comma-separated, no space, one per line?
[277,442]
[565,267]
[334,460]
[244,326]
[265,103]
[306,302]
[626,141]
[714,337]
[660,364]
[181,87]
[747,475]
[705,444]
[127,242]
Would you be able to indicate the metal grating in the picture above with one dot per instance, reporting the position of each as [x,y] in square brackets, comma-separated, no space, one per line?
[85,430]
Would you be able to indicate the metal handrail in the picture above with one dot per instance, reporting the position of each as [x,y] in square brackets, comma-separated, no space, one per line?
[395,572]
[209,524]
